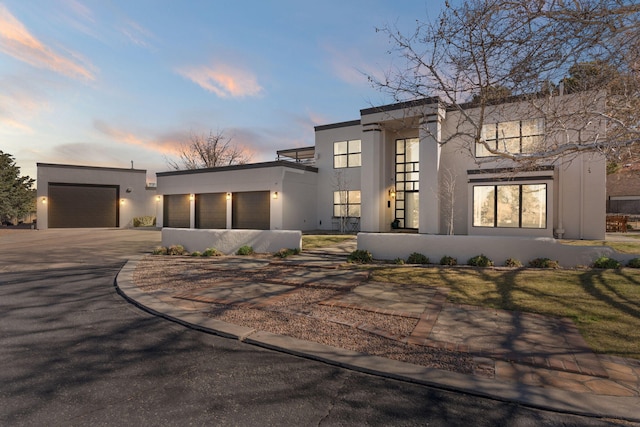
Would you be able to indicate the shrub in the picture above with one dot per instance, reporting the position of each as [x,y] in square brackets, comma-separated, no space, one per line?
[417,258]
[144,221]
[634,263]
[543,263]
[245,250]
[160,251]
[512,262]
[196,253]
[398,261]
[283,253]
[175,250]
[606,262]
[448,260]
[480,261]
[211,252]
[360,256]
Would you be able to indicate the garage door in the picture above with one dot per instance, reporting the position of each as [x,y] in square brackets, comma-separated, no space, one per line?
[250,210]
[83,206]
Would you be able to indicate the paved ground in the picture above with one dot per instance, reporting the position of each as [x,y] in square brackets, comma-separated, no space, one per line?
[74,353]
[527,357]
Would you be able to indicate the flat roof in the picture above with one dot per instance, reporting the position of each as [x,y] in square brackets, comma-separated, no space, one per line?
[337,125]
[274,164]
[298,154]
[56,165]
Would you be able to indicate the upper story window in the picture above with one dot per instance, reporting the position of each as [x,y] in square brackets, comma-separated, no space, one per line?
[519,136]
[346,154]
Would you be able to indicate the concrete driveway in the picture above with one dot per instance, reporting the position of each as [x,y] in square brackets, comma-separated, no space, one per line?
[73,352]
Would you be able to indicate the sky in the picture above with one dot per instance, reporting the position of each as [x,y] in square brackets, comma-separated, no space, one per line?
[108,82]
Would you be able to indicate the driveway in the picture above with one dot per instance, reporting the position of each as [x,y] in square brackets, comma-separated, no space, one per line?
[73,352]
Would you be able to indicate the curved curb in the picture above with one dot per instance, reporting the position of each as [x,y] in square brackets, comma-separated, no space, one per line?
[537,397]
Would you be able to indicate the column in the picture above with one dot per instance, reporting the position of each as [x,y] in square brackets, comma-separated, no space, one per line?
[429,135]
[371,173]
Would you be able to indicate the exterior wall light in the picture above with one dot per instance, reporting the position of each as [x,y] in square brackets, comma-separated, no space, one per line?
[158,198]
[228,196]
[192,196]
[392,192]
[275,194]
[44,200]
[122,201]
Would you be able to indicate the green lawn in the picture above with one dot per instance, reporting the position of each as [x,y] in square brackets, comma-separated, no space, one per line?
[312,241]
[604,304]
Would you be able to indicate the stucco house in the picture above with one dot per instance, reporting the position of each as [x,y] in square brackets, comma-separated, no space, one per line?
[386,171]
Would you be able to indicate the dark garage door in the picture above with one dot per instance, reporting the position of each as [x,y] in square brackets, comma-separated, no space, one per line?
[250,210]
[211,210]
[83,206]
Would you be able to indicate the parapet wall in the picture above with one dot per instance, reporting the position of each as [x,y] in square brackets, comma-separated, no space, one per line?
[229,241]
[389,246]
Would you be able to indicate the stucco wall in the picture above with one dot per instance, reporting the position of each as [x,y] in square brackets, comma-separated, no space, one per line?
[229,241]
[388,246]
[139,202]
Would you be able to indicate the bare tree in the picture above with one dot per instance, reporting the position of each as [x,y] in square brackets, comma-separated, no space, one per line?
[210,151]
[486,53]
[446,194]
[341,185]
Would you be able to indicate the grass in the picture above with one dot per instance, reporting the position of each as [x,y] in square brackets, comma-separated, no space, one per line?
[603,304]
[312,241]
[626,247]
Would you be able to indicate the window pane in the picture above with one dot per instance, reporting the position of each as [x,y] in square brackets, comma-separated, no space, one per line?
[488,132]
[413,150]
[400,158]
[399,186]
[354,146]
[340,147]
[400,168]
[509,206]
[509,130]
[399,177]
[399,204]
[336,210]
[481,151]
[340,162]
[400,146]
[354,210]
[413,176]
[534,206]
[354,197]
[339,197]
[354,160]
[510,145]
[533,127]
[483,206]
[531,144]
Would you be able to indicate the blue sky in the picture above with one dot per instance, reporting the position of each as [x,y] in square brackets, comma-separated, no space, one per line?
[107,82]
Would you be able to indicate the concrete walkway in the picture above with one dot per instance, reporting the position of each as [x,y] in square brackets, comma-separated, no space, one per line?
[521,357]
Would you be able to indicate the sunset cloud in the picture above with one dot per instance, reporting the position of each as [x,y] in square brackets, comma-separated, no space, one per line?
[166,144]
[136,33]
[18,42]
[223,80]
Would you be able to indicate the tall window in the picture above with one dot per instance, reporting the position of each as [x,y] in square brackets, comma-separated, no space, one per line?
[346,204]
[407,182]
[510,206]
[520,136]
[346,154]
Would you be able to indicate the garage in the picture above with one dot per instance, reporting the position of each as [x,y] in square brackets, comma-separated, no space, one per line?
[251,210]
[83,206]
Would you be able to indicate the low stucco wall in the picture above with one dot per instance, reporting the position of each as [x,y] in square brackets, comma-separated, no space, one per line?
[389,246]
[228,241]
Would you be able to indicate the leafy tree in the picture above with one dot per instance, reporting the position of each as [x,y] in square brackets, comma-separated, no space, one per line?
[479,52]
[210,151]
[17,198]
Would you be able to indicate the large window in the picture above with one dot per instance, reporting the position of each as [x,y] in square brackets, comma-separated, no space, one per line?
[346,204]
[407,182]
[346,154]
[520,136]
[510,206]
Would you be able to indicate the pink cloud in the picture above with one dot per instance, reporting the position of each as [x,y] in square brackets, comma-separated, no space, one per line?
[18,42]
[223,80]
[166,144]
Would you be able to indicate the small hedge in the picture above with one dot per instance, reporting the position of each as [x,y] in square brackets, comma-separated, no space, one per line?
[448,260]
[543,263]
[417,258]
[160,251]
[283,253]
[512,262]
[360,256]
[245,250]
[175,250]
[144,221]
[211,252]
[606,262]
[480,261]
[634,263]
